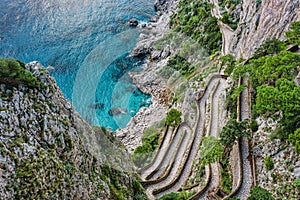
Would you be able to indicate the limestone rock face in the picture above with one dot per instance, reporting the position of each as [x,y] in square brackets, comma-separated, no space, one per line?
[259,21]
[47,151]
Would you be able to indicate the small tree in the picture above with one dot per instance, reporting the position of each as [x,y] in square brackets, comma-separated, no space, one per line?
[173,117]
[233,131]
[211,150]
[269,47]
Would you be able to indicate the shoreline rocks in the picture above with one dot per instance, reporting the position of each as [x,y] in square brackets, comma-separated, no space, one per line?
[147,80]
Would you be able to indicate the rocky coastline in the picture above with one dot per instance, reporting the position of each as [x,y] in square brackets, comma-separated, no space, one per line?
[147,80]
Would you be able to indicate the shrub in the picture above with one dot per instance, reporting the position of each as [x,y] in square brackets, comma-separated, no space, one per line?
[12,72]
[269,163]
[173,117]
[259,193]
[150,142]
[183,195]
[181,64]
[295,140]
[293,35]
[269,47]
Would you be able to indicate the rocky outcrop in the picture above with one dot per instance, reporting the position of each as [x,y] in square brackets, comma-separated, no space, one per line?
[260,20]
[47,151]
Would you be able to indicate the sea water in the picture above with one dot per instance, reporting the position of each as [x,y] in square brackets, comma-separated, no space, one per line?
[88,43]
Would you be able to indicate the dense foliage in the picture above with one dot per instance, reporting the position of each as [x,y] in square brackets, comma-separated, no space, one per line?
[150,142]
[293,35]
[12,72]
[270,47]
[181,64]
[226,180]
[259,193]
[232,131]
[229,16]
[173,117]
[295,140]
[276,94]
[194,19]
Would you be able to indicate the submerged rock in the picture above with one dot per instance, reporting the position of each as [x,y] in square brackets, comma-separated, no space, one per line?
[117,111]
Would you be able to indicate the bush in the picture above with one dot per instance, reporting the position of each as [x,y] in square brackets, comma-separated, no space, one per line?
[173,117]
[259,193]
[12,72]
[295,140]
[293,35]
[181,64]
[269,163]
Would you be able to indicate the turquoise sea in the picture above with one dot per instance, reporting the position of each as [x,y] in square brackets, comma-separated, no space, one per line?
[88,43]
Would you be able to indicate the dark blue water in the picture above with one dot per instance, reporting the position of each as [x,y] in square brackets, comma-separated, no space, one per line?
[87,42]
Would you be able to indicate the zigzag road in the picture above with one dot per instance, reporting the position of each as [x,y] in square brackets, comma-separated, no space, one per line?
[176,161]
[217,99]
[184,170]
[167,139]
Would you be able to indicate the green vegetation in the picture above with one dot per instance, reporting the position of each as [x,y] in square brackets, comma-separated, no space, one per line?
[211,150]
[296,183]
[293,35]
[142,153]
[229,16]
[232,131]
[269,163]
[229,62]
[194,19]
[259,193]
[295,140]
[269,47]
[13,72]
[183,195]
[226,181]
[181,64]
[272,78]
[173,117]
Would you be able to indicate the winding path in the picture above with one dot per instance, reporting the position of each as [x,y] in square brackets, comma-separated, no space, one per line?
[167,138]
[247,180]
[217,99]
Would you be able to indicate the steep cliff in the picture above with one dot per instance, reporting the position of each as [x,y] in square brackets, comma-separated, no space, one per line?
[47,151]
[260,20]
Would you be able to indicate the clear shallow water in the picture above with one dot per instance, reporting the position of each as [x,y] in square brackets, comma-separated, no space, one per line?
[87,42]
